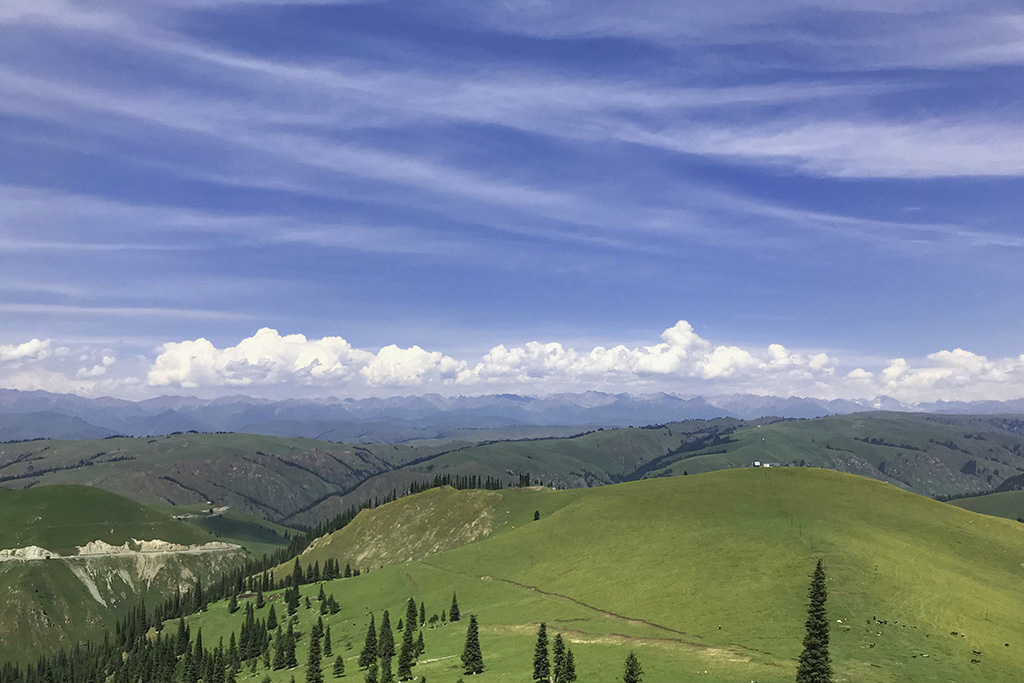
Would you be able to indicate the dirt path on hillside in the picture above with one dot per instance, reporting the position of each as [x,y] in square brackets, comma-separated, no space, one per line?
[735,652]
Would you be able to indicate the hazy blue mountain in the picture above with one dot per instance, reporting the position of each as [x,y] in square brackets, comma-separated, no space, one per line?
[31,414]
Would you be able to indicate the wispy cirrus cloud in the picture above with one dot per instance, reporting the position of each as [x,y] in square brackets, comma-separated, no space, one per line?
[519,162]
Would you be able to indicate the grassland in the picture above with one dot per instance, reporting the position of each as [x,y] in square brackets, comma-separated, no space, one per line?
[301,482]
[270,477]
[705,577]
[1008,504]
[59,518]
[49,604]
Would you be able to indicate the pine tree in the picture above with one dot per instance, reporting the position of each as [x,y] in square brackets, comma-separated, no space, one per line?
[371,672]
[314,674]
[280,657]
[233,604]
[558,658]
[369,653]
[423,615]
[541,664]
[234,659]
[632,672]
[339,667]
[260,600]
[272,619]
[290,660]
[385,640]
[570,667]
[411,616]
[386,675]
[183,637]
[472,658]
[328,650]
[420,647]
[815,664]
[453,613]
[407,656]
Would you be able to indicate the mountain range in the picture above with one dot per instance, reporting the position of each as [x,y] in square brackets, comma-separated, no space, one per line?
[40,414]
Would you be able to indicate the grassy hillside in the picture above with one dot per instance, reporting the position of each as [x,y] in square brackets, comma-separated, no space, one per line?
[55,603]
[270,477]
[705,577]
[256,535]
[929,454]
[1008,504]
[59,518]
[300,482]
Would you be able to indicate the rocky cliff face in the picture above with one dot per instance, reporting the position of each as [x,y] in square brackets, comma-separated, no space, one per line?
[50,601]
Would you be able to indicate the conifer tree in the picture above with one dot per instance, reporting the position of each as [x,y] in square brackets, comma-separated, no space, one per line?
[339,667]
[328,649]
[289,641]
[423,614]
[407,655]
[280,656]
[420,647]
[183,637]
[234,659]
[233,604]
[541,663]
[411,617]
[190,671]
[371,672]
[321,597]
[260,600]
[369,653]
[386,675]
[569,674]
[272,619]
[558,658]
[385,641]
[453,613]
[632,672]
[314,674]
[348,570]
[815,664]
[472,658]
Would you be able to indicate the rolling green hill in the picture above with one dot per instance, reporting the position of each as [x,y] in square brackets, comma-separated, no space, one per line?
[270,477]
[59,518]
[1008,504]
[934,455]
[53,603]
[302,482]
[704,577]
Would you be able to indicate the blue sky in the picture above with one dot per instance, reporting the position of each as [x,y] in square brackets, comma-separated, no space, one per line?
[467,197]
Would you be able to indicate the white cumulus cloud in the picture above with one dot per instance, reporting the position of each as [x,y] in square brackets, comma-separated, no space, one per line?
[32,350]
[266,358]
[680,361]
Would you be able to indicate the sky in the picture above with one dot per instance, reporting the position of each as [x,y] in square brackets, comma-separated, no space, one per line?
[340,198]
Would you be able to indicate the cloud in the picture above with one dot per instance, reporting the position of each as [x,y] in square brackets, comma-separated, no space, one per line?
[394,366]
[32,350]
[265,359]
[268,359]
[681,361]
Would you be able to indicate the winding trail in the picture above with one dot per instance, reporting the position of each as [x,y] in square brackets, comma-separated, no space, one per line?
[678,637]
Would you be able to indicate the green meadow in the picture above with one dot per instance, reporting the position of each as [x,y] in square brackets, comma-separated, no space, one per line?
[704,577]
